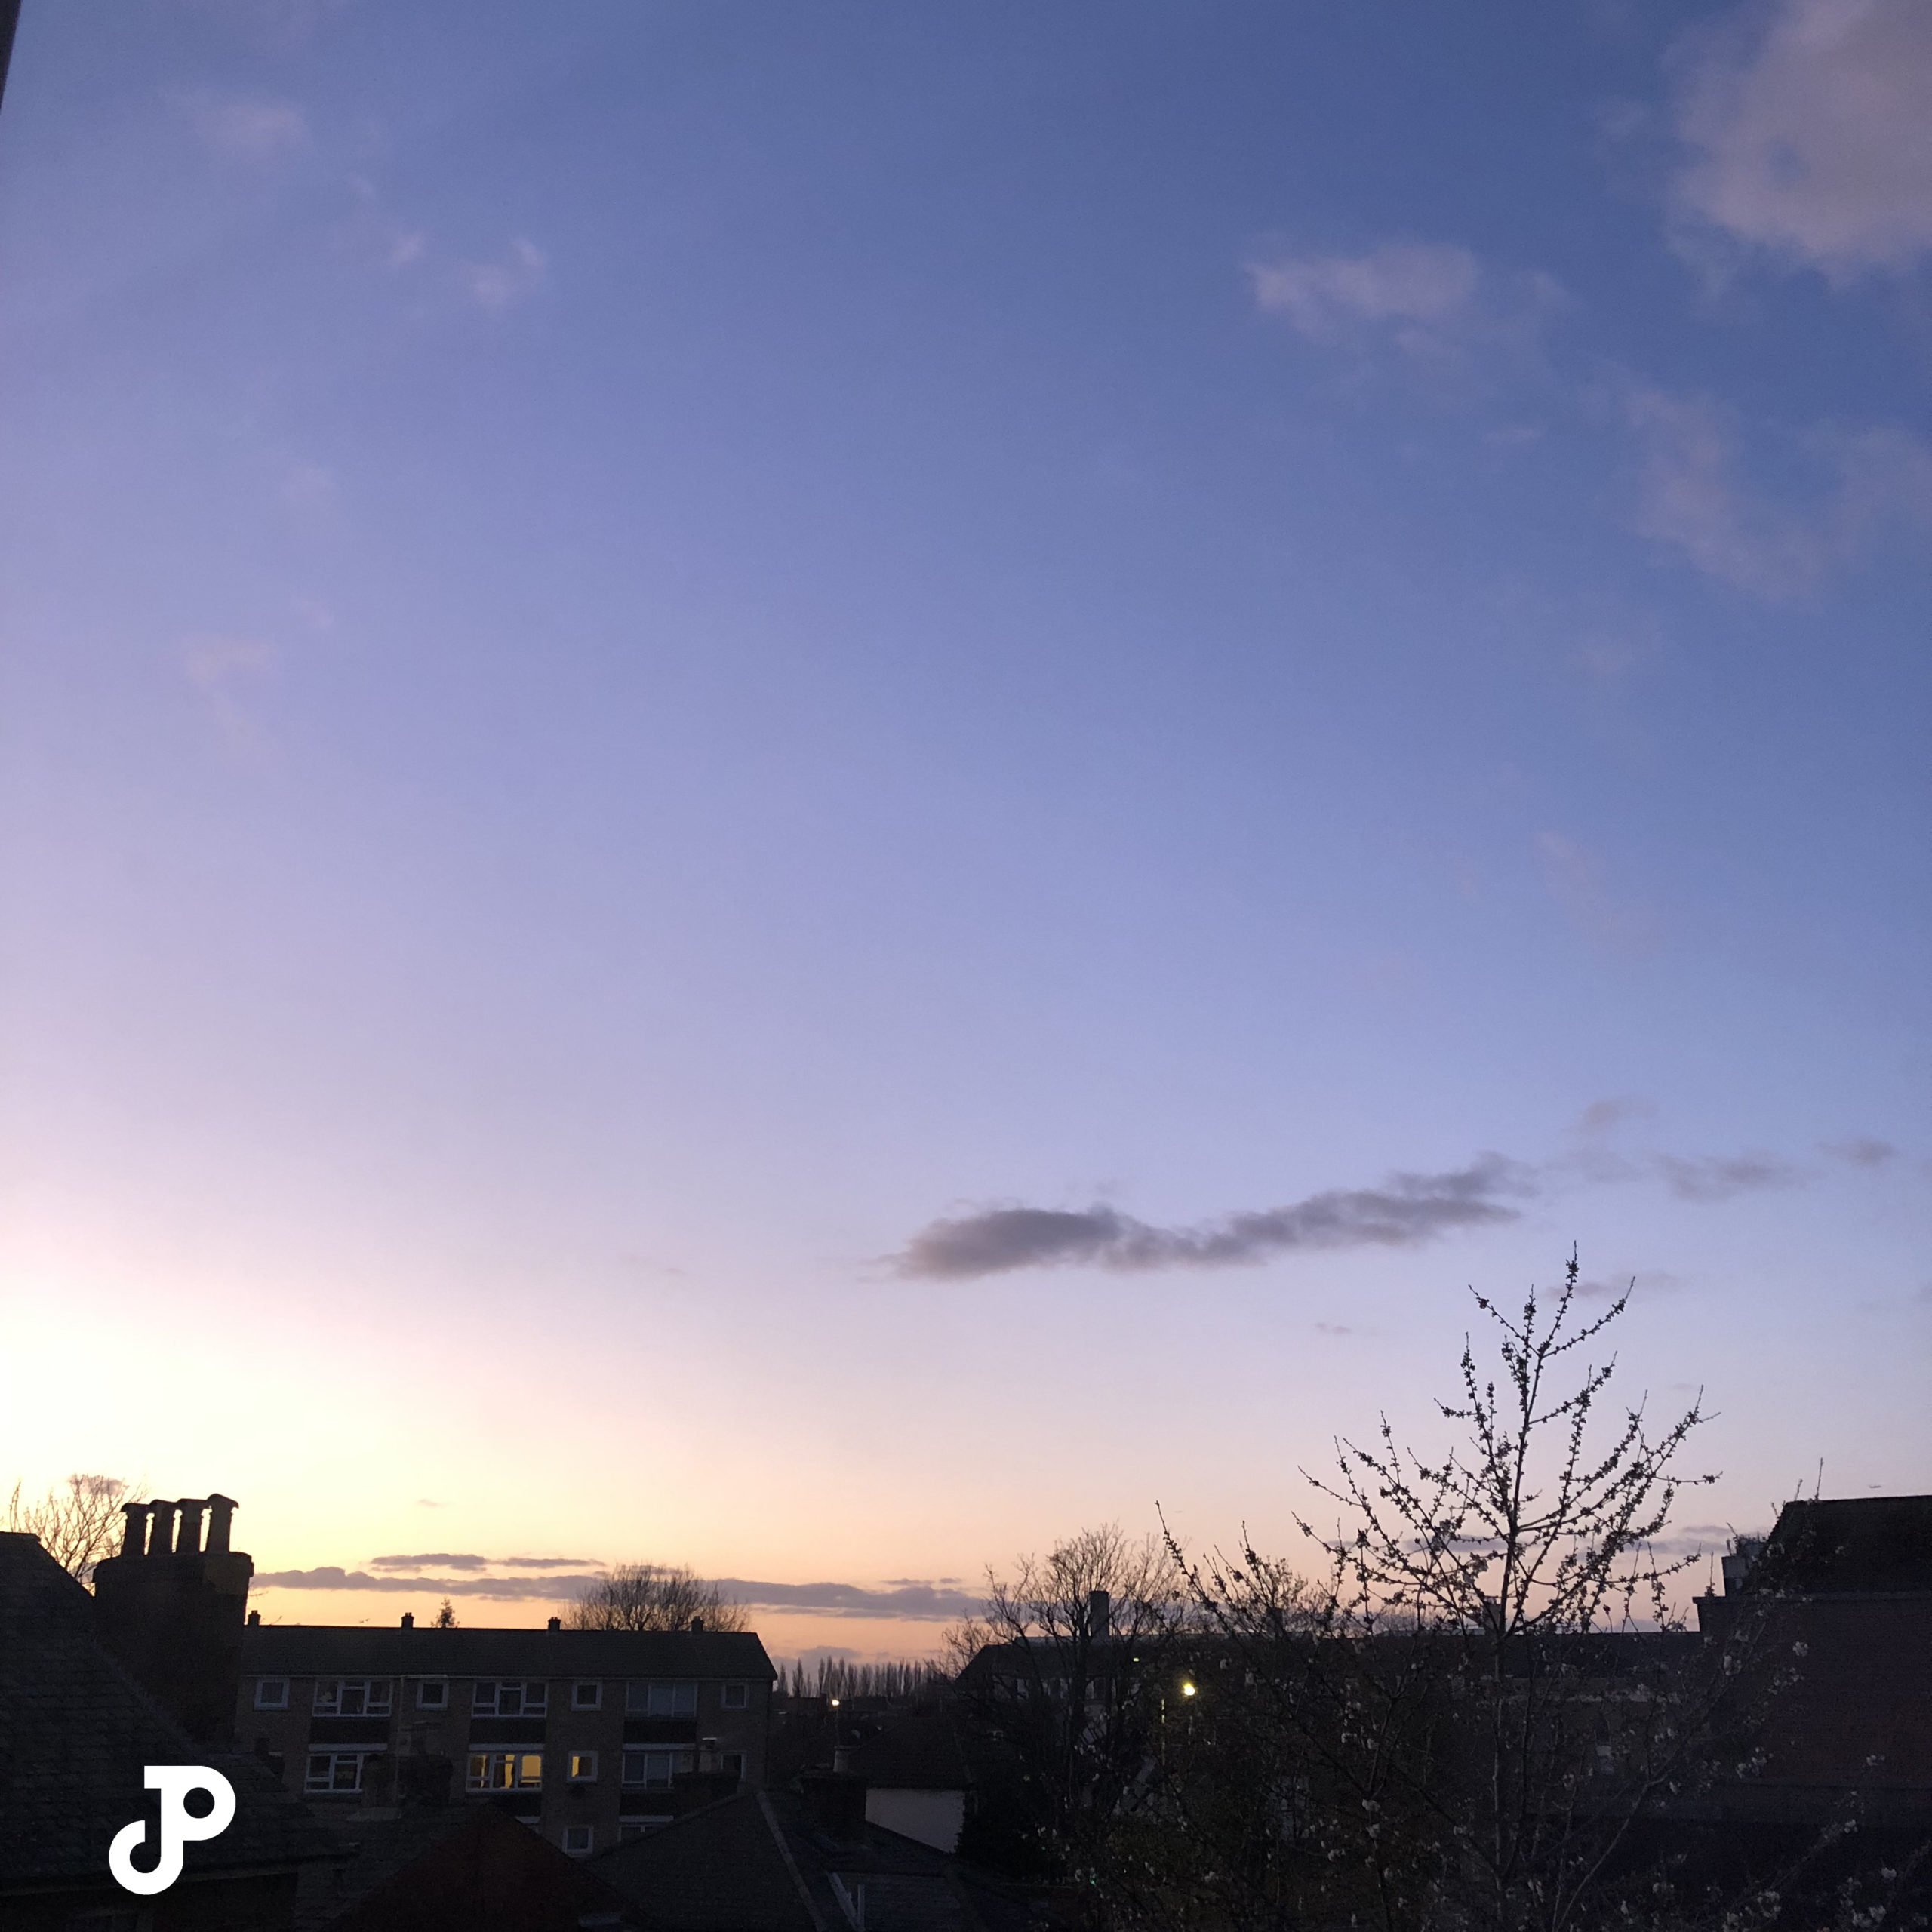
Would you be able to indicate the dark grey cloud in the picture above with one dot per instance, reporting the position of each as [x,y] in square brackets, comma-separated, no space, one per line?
[1719,1177]
[1406,1210]
[443,1559]
[552,1585]
[918,1601]
[1863,1151]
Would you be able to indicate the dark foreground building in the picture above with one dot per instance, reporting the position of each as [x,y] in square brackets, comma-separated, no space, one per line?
[76,1730]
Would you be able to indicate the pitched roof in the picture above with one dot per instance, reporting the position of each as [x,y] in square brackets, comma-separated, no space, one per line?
[762,1861]
[302,1649]
[76,1731]
[458,1869]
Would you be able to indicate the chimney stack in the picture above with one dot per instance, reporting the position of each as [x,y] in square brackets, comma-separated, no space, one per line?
[221,1514]
[409,1620]
[173,1612]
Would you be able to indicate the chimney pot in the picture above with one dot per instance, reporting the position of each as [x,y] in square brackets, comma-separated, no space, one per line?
[221,1513]
[134,1537]
[188,1535]
[254,1617]
[555,1623]
[160,1537]
[409,1620]
[697,1626]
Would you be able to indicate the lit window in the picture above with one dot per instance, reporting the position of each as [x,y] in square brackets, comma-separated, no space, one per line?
[336,1771]
[510,1700]
[432,1696]
[576,1840]
[734,1697]
[583,1766]
[586,1696]
[662,1700]
[351,1697]
[505,1770]
[654,1769]
[272,1694]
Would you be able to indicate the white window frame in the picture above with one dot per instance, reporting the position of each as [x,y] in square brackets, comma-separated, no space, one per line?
[520,1760]
[595,1702]
[526,1688]
[586,1837]
[263,1701]
[334,1756]
[439,1702]
[678,1759]
[583,1768]
[734,1697]
[326,1701]
[642,1697]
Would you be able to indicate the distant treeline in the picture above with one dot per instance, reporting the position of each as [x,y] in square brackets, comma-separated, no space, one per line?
[839,1677]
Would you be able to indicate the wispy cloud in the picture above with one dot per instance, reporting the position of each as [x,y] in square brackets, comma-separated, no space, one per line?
[1807,128]
[1722,1177]
[517,273]
[1693,493]
[224,671]
[1862,1151]
[1407,1210]
[1576,876]
[1433,304]
[245,127]
[906,1598]
[444,1560]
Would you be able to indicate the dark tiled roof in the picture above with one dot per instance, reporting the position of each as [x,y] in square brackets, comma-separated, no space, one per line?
[76,1732]
[1880,1544]
[762,1863]
[301,1649]
[466,1868]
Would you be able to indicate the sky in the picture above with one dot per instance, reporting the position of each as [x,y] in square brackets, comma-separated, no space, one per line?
[814,789]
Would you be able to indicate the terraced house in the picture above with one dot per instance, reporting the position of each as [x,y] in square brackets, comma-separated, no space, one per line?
[588,1735]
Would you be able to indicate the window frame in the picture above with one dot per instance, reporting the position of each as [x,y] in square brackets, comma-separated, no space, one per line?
[520,1759]
[496,1686]
[589,1834]
[336,1686]
[264,1703]
[424,1702]
[641,1693]
[334,1755]
[680,1759]
[587,1760]
[736,1696]
[595,1702]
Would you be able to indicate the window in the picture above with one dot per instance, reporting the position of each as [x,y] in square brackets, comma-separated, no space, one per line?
[576,1840]
[662,1700]
[583,1767]
[654,1769]
[336,1771]
[351,1697]
[272,1694]
[432,1696]
[586,1696]
[510,1700]
[734,1697]
[505,1770]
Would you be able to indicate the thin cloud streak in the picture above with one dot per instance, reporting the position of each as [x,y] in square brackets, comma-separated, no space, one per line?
[919,1602]
[1406,1210]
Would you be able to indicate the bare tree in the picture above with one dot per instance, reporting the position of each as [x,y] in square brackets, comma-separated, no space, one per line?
[1474,1706]
[651,1596]
[77,1524]
[1062,1673]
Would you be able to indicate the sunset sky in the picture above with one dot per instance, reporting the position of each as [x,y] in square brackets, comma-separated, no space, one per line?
[814,789]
